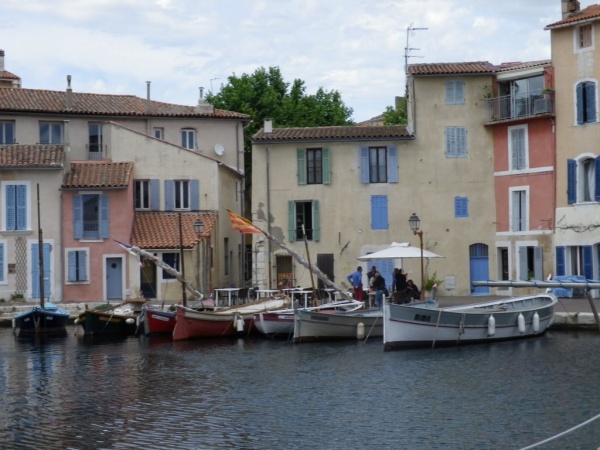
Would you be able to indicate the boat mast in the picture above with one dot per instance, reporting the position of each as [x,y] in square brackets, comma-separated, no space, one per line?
[40,250]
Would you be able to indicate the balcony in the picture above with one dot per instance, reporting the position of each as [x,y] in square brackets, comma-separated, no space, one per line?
[510,107]
[96,152]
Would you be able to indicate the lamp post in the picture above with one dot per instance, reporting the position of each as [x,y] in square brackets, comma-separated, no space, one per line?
[415,224]
[198,229]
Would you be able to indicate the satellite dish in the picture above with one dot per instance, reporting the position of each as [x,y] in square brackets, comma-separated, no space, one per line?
[219,150]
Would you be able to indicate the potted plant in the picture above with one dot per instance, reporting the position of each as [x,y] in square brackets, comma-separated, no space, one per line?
[432,282]
[547,92]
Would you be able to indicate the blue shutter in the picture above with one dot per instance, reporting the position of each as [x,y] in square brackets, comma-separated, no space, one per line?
[169,195]
[2,277]
[393,176]
[379,212]
[78,217]
[21,207]
[35,271]
[579,96]
[47,248]
[538,268]
[590,102]
[83,272]
[571,181]
[364,165]
[597,179]
[560,261]
[195,195]
[11,218]
[316,221]
[588,266]
[301,165]
[461,207]
[523,275]
[72,265]
[155,195]
[104,217]
[291,221]
[326,166]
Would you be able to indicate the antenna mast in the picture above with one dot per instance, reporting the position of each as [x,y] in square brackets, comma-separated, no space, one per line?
[407,50]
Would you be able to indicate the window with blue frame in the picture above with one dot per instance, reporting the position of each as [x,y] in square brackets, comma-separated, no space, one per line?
[583,180]
[77,265]
[172,260]
[91,218]
[188,138]
[519,209]
[455,92]
[182,195]
[575,260]
[7,133]
[461,207]
[456,142]
[379,164]
[518,147]
[585,94]
[530,263]
[16,205]
[379,212]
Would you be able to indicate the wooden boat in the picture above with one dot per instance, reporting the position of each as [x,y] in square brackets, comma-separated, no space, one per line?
[281,323]
[311,326]
[503,319]
[45,318]
[118,320]
[154,321]
[231,321]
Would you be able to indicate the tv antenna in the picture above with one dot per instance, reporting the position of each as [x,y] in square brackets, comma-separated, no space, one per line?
[409,30]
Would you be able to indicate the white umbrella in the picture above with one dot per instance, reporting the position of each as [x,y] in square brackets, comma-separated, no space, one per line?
[399,251]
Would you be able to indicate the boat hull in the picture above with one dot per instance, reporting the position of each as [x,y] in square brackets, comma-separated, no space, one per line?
[406,327]
[156,322]
[275,324]
[48,320]
[312,326]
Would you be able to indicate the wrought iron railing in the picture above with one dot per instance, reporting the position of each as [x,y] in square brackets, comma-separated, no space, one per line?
[96,152]
[510,107]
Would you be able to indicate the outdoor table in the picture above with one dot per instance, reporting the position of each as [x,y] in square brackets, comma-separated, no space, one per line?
[266,292]
[225,292]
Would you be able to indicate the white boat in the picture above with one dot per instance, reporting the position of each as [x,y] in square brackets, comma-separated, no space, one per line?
[281,323]
[501,319]
[312,326]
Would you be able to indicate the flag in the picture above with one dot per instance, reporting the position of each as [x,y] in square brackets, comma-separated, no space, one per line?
[129,249]
[242,225]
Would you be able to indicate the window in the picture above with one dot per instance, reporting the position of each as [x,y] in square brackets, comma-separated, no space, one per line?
[519,210]
[91,216]
[586,102]
[456,142]
[180,194]
[303,213]
[16,206]
[95,141]
[379,212]
[77,265]
[51,133]
[584,36]
[379,164]
[503,263]
[159,133]
[313,166]
[575,260]
[3,264]
[455,92]
[172,260]
[461,207]
[583,180]
[7,132]
[188,138]
[530,263]
[518,148]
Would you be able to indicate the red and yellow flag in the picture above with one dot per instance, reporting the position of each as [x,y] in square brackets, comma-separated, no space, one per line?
[242,225]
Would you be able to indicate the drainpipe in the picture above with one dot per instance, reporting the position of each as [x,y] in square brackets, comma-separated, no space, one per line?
[148,107]
[269,244]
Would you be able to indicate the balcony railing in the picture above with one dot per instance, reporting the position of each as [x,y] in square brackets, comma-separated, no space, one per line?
[96,152]
[91,229]
[510,107]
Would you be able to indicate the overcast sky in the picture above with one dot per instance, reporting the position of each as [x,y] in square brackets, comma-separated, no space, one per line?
[356,47]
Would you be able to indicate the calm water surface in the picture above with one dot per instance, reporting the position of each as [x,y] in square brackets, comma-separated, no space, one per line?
[141,393]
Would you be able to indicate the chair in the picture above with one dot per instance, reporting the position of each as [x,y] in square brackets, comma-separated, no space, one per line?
[242,295]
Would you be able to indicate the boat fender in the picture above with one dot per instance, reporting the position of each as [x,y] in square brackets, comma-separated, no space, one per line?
[14,323]
[360,330]
[536,322]
[130,321]
[76,321]
[521,321]
[239,324]
[491,326]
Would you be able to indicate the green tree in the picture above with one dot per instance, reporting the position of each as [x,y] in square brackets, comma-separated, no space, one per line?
[396,116]
[265,94]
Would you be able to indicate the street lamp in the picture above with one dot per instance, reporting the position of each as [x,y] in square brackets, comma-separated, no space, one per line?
[415,224]
[198,227]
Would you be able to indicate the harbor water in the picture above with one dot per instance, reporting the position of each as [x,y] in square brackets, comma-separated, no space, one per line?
[152,393]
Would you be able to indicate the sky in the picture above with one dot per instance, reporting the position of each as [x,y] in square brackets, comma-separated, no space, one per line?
[355,47]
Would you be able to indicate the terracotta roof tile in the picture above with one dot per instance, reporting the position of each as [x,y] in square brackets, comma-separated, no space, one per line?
[38,100]
[340,133]
[98,174]
[456,68]
[160,229]
[507,66]
[6,75]
[586,14]
[40,156]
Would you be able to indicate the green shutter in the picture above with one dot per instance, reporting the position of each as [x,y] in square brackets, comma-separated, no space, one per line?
[326,167]
[316,222]
[291,221]
[301,156]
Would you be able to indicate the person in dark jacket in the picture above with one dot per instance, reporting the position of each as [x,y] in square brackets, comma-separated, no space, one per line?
[399,286]
[412,291]
[379,288]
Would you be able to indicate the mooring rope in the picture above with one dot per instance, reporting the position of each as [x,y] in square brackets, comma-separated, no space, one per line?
[563,433]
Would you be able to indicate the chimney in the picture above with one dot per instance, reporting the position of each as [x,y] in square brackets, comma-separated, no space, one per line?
[1,60]
[569,8]
[203,107]
[148,101]
[69,93]
[268,126]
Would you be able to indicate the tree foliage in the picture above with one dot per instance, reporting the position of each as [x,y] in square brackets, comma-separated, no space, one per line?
[396,116]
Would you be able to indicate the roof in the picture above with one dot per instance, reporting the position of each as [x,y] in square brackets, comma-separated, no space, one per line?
[39,156]
[455,68]
[44,101]
[339,133]
[160,229]
[98,174]
[6,75]
[507,66]
[587,14]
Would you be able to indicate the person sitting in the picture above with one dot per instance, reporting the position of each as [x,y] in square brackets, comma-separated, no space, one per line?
[379,288]
[399,285]
[412,291]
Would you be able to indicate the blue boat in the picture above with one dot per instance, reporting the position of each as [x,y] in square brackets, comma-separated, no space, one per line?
[49,319]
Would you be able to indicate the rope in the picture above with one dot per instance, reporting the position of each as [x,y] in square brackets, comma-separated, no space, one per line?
[562,434]
[436,327]
[372,326]
[461,328]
